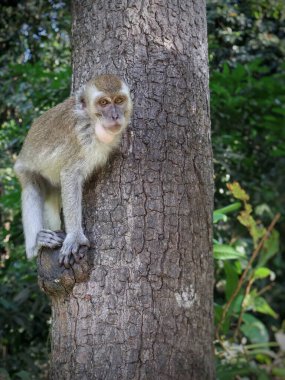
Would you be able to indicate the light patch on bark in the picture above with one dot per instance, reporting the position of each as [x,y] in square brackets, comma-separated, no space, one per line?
[130,148]
[186,298]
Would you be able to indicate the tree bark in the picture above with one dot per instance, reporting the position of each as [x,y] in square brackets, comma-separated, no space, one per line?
[140,305]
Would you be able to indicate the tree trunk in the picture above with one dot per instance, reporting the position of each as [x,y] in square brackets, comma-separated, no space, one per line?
[140,305]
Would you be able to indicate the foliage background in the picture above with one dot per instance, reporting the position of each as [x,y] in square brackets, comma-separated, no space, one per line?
[246,51]
[35,75]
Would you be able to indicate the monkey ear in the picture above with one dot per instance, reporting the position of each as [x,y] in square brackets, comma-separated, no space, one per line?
[82,102]
[81,99]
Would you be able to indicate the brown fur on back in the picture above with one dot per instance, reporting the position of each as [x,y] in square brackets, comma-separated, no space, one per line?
[56,123]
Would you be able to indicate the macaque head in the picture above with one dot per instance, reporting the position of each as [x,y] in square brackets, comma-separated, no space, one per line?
[106,99]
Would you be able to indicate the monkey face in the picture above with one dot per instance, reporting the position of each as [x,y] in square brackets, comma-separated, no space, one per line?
[106,101]
[111,112]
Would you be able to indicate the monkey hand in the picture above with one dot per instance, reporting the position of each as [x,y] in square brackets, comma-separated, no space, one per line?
[73,248]
[50,239]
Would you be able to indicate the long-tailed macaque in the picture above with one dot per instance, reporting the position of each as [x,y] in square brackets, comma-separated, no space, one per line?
[62,148]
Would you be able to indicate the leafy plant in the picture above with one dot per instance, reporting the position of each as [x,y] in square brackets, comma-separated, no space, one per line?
[24,319]
[241,31]
[242,279]
[35,75]
[248,108]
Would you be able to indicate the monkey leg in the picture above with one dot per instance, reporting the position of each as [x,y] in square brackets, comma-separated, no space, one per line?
[32,209]
[50,239]
[52,208]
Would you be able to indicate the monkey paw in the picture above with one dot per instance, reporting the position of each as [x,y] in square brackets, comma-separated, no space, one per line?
[73,249]
[50,239]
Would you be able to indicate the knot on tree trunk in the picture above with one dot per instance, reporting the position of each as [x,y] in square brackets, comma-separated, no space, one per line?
[56,280]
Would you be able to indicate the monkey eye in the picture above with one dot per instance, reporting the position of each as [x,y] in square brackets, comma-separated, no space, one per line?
[103,102]
[120,100]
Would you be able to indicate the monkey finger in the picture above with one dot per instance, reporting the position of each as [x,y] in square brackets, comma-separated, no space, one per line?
[81,254]
[86,243]
[74,249]
[82,251]
[78,254]
[62,256]
[72,260]
[47,233]
[56,240]
[48,243]
[61,259]
[60,234]
[47,238]
[66,261]
[76,258]
[57,237]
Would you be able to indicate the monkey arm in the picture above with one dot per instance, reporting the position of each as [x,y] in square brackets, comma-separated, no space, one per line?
[71,193]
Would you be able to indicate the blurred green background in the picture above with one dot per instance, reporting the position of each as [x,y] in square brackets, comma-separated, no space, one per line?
[247,81]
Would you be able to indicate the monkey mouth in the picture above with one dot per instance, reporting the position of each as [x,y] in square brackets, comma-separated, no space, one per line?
[113,127]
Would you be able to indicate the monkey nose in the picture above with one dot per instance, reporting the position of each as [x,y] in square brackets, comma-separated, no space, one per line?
[115,117]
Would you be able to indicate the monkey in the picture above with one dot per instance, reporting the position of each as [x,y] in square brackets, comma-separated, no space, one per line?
[61,150]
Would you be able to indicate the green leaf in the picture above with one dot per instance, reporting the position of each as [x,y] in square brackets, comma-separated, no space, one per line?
[249,222]
[270,248]
[230,208]
[218,311]
[242,369]
[259,304]
[218,217]
[220,213]
[23,375]
[227,252]
[254,329]
[4,375]
[262,306]
[279,372]
[262,356]
[235,307]
[231,278]
[237,191]
[263,272]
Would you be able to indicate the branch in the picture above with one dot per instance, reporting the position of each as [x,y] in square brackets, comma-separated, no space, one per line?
[249,265]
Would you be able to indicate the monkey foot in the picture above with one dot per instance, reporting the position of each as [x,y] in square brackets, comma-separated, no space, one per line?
[50,239]
[73,249]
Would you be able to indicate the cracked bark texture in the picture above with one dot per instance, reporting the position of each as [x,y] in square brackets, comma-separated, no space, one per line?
[145,311]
